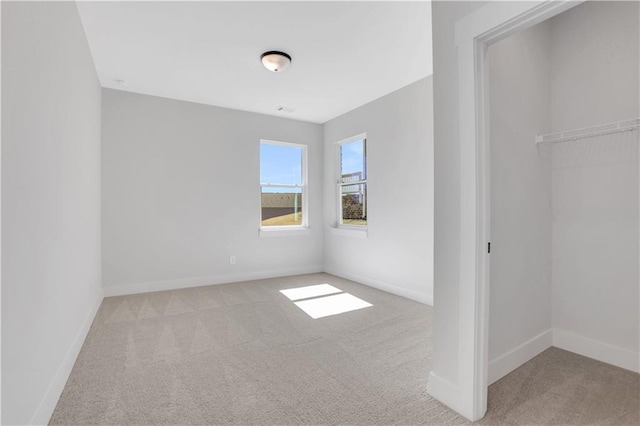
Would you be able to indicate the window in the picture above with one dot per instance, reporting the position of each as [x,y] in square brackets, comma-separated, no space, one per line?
[283,185]
[352,182]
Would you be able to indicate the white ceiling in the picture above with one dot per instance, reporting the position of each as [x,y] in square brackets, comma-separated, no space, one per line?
[345,54]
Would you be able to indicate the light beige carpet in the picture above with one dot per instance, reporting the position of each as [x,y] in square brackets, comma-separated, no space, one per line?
[561,388]
[243,353]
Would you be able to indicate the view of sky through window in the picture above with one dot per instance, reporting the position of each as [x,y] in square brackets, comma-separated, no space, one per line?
[280,165]
[353,157]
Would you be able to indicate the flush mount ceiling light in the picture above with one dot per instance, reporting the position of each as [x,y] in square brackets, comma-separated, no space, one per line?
[275,61]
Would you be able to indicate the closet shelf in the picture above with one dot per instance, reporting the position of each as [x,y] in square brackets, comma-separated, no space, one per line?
[589,132]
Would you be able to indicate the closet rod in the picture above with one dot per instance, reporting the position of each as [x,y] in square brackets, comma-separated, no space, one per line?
[589,132]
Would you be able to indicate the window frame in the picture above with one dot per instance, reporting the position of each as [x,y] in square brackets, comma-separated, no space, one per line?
[340,184]
[304,188]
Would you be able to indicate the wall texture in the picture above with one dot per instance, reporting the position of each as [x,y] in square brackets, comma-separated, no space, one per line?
[595,59]
[582,92]
[569,211]
[396,254]
[564,262]
[181,193]
[50,203]
[447,187]
[520,287]
[595,55]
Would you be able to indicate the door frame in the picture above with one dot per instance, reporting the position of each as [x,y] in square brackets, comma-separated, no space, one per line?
[473,35]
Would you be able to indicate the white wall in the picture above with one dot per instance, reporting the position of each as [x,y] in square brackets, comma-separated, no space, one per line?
[50,203]
[181,193]
[570,211]
[0,215]
[396,253]
[576,70]
[595,79]
[520,287]
[445,378]
[595,59]
[447,193]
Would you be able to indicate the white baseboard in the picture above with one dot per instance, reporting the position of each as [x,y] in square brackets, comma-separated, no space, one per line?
[147,287]
[505,364]
[600,351]
[568,341]
[384,286]
[51,397]
[444,391]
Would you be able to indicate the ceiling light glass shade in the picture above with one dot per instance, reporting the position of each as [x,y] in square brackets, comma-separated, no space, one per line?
[275,61]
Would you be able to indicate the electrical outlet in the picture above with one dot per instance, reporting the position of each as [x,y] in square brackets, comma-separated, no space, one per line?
[232,260]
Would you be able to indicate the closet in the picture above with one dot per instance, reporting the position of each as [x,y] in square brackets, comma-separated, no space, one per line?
[565,193]
[594,247]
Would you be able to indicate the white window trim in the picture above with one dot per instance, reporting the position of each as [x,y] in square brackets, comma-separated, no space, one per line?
[291,230]
[283,231]
[350,231]
[357,230]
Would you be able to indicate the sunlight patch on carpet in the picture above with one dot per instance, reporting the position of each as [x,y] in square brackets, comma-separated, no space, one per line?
[310,291]
[331,305]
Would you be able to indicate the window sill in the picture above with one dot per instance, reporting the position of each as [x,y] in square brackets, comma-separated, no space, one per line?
[350,231]
[278,231]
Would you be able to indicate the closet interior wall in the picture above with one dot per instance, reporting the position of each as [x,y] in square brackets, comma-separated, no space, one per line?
[595,270]
[520,283]
[564,217]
